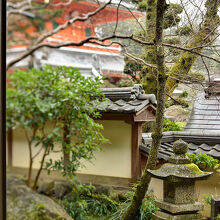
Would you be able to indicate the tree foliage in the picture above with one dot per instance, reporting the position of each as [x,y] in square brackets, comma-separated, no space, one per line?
[56,109]
[204,162]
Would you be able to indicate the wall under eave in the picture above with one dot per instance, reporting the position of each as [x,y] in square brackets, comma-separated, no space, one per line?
[115,158]
[113,161]
[20,155]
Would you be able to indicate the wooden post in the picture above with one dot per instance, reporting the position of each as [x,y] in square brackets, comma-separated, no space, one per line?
[135,154]
[2,109]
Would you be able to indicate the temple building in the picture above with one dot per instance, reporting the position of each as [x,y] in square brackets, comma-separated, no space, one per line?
[91,59]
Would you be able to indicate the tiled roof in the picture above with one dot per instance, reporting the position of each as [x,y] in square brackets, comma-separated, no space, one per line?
[166,150]
[205,114]
[202,131]
[199,142]
[126,100]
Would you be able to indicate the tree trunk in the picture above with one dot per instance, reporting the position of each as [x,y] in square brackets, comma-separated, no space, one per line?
[148,80]
[40,169]
[66,139]
[30,156]
[30,165]
[142,187]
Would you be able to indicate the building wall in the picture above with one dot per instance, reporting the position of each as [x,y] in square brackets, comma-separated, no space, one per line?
[113,160]
[20,156]
[210,187]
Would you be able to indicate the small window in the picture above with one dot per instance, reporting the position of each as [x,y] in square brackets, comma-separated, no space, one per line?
[55,24]
[88,32]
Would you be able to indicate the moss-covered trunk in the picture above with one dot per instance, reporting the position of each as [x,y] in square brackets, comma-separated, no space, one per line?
[186,59]
[142,187]
[148,80]
[202,37]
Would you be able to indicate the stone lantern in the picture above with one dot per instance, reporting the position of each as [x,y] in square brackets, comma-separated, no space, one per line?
[179,176]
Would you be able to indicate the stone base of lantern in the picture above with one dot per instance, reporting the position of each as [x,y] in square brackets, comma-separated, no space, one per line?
[169,211]
[179,208]
[160,215]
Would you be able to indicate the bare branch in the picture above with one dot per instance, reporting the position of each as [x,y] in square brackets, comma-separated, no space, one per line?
[34,156]
[175,101]
[206,68]
[211,32]
[187,15]
[38,46]
[116,25]
[141,26]
[139,59]
[191,50]
[198,9]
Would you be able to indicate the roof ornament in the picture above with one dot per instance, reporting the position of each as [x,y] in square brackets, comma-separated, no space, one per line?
[126,99]
[128,93]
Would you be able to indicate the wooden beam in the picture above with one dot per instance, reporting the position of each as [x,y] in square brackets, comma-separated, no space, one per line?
[144,116]
[128,118]
[135,154]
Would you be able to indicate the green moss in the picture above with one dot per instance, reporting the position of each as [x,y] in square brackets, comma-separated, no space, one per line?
[39,212]
[193,167]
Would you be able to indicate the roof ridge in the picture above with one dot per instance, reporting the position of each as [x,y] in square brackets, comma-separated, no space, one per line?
[128,93]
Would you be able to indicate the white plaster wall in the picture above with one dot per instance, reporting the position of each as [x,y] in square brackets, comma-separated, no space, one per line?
[84,60]
[156,188]
[113,160]
[115,157]
[20,157]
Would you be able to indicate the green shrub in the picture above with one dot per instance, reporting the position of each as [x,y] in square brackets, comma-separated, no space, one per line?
[66,99]
[169,125]
[204,162]
[146,210]
[101,205]
[83,203]
[207,198]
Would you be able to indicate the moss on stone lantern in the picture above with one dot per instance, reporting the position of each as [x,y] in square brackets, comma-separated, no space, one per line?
[179,176]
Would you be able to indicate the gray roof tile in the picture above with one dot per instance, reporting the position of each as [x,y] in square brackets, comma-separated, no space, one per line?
[120,102]
[217,147]
[205,114]
[126,100]
[165,152]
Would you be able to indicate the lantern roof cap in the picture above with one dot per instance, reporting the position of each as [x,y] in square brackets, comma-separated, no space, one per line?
[179,167]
